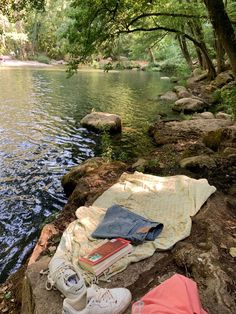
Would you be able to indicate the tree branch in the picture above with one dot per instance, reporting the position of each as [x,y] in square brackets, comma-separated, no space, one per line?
[171,30]
[144,15]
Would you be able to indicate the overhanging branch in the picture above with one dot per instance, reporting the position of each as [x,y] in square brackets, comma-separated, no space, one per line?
[161,28]
[144,15]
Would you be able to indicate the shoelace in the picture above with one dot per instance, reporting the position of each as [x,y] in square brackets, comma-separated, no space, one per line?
[103,295]
[57,274]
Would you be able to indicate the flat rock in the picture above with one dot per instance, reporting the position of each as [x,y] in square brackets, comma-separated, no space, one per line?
[102,121]
[189,105]
[199,126]
[173,131]
[35,298]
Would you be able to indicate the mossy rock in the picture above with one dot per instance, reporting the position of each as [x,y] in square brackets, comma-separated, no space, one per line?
[213,139]
[70,179]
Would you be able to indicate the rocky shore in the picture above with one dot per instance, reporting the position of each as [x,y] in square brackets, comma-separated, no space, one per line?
[203,146]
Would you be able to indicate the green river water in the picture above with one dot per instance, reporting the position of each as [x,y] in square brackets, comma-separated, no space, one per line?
[41,139]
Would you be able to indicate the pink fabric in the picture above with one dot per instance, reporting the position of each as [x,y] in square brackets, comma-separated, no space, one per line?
[177,295]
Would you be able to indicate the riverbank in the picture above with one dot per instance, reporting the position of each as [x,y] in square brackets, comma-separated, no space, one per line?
[204,256]
[19,63]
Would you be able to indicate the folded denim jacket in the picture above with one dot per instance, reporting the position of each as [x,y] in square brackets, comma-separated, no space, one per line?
[119,222]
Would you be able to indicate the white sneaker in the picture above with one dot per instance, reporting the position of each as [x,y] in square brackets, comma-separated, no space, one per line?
[102,301]
[65,278]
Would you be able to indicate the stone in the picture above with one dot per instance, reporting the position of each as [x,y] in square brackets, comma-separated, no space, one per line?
[223,115]
[169,96]
[221,138]
[179,88]
[197,72]
[70,179]
[204,115]
[230,85]
[184,94]
[47,233]
[139,164]
[102,121]
[197,78]
[35,298]
[198,162]
[165,78]
[197,148]
[229,151]
[174,131]
[232,251]
[223,78]
[174,79]
[189,105]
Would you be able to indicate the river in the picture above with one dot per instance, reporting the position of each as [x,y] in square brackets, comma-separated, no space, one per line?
[41,139]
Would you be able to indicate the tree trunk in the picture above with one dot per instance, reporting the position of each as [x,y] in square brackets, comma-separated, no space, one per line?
[185,52]
[197,32]
[219,55]
[151,54]
[223,28]
[209,65]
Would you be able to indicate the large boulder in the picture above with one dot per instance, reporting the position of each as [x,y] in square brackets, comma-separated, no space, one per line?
[174,131]
[189,105]
[100,121]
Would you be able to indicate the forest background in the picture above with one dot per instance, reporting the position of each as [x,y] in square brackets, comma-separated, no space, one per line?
[174,36]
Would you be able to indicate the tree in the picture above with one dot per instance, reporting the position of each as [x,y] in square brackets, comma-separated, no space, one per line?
[94,24]
[223,28]
[11,8]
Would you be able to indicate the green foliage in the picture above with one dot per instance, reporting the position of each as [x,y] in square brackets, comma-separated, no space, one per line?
[226,100]
[41,59]
[15,10]
[123,156]
[97,26]
[107,67]
[186,116]
[107,151]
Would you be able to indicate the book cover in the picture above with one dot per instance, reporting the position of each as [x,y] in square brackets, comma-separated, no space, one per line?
[104,251]
[101,263]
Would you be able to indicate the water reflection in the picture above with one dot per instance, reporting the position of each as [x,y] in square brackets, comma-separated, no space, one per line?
[41,138]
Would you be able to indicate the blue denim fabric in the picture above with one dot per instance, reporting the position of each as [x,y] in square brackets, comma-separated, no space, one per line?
[119,222]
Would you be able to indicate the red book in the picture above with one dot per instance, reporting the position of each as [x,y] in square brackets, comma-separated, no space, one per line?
[105,255]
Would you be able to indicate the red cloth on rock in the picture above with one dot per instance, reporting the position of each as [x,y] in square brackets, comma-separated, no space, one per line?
[177,295]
